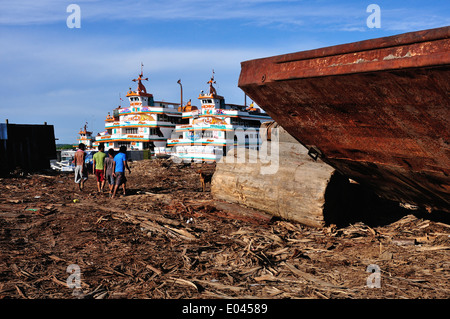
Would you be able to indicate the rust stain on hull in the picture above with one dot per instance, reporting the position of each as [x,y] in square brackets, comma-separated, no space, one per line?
[376,110]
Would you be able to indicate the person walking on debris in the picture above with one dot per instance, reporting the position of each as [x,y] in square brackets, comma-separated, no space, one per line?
[81,174]
[109,170]
[120,163]
[98,167]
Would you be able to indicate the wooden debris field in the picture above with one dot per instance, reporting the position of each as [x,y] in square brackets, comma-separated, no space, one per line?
[167,239]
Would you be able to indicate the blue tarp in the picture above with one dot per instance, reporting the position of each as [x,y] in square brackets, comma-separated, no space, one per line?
[3,131]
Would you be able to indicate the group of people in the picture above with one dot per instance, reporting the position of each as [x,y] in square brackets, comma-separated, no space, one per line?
[105,167]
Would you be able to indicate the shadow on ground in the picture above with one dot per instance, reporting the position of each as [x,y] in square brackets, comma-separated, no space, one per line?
[347,203]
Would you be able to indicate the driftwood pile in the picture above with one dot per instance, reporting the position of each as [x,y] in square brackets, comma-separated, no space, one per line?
[168,239]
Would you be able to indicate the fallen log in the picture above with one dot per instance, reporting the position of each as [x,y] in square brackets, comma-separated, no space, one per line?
[287,183]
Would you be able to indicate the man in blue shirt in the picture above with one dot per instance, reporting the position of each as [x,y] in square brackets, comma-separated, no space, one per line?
[120,163]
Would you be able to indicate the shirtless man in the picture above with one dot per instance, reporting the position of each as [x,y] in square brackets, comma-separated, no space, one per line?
[80,167]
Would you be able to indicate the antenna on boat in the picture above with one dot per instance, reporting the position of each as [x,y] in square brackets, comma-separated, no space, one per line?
[181,88]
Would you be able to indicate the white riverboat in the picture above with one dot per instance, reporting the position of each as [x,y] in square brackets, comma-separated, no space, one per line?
[214,128]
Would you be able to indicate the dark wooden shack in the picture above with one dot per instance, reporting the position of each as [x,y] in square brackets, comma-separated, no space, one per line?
[27,147]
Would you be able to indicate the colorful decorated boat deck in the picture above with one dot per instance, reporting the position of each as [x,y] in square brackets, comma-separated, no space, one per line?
[85,137]
[145,124]
[214,128]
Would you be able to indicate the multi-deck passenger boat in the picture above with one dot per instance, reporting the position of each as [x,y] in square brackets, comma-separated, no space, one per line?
[145,124]
[214,128]
[85,137]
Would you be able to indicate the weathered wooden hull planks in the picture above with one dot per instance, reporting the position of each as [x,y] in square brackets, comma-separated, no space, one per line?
[376,110]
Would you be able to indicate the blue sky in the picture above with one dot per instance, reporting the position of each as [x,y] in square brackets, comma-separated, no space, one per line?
[66,77]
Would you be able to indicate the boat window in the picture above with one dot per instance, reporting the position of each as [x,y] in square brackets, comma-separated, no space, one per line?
[207,134]
[133,130]
[126,144]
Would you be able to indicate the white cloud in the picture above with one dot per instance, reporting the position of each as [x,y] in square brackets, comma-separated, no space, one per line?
[262,12]
[26,12]
[310,15]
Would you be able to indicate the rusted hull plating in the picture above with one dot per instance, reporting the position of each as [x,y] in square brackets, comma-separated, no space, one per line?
[376,110]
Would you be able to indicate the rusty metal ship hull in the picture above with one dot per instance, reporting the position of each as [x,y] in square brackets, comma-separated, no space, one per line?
[376,110]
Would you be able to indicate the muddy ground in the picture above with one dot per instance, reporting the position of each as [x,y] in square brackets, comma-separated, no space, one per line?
[167,239]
